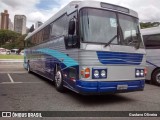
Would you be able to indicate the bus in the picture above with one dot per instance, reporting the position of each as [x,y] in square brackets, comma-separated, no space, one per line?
[151,37]
[89,48]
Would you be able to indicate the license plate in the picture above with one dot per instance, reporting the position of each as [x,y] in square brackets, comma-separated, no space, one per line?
[122,87]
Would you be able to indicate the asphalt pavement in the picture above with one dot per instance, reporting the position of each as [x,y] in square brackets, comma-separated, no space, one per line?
[23,91]
[11,66]
[20,91]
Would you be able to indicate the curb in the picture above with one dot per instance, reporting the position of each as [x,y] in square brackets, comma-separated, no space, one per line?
[11,60]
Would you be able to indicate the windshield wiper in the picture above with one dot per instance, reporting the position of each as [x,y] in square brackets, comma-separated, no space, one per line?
[118,34]
[110,41]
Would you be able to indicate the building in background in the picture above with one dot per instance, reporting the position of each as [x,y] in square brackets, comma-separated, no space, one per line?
[38,24]
[20,24]
[4,20]
[10,27]
[27,30]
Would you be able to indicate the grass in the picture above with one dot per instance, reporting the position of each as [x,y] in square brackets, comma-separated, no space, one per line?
[11,56]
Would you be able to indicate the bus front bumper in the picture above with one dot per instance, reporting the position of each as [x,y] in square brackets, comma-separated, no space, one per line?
[102,87]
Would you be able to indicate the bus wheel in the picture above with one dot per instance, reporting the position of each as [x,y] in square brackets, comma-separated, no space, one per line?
[59,80]
[156,77]
[28,68]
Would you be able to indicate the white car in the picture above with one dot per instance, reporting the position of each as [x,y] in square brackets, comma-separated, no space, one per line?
[4,51]
[22,52]
[8,52]
[14,51]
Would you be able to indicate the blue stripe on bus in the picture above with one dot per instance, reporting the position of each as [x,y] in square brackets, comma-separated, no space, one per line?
[119,58]
[151,63]
[68,61]
[108,86]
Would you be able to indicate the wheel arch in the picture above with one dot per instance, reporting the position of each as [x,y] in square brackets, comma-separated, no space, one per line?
[56,65]
[157,68]
[152,76]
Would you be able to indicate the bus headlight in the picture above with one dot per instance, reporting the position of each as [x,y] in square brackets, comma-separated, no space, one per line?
[96,74]
[142,72]
[103,73]
[139,73]
[99,73]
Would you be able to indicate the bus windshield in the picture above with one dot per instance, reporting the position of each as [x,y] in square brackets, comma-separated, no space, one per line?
[101,26]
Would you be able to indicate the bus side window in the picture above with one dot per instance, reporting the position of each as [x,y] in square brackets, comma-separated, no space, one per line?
[31,41]
[58,27]
[46,33]
[152,41]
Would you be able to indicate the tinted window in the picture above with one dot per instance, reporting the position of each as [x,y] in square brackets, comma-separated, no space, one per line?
[130,30]
[101,26]
[59,27]
[46,33]
[152,41]
[98,25]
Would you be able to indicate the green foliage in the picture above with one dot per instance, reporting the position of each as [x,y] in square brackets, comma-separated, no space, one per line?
[149,24]
[7,36]
[9,46]
[10,39]
[20,42]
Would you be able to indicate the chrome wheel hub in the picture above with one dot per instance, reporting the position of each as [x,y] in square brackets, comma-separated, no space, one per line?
[58,78]
[158,78]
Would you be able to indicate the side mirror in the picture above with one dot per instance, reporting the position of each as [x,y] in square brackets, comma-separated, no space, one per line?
[71,28]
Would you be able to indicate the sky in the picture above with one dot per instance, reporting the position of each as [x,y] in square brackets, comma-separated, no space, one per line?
[42,10]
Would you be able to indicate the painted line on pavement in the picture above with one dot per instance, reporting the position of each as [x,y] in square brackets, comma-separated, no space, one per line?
[10,78]
[13,72]
[19,82]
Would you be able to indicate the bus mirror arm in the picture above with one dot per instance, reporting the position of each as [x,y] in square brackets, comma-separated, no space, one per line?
[70,41]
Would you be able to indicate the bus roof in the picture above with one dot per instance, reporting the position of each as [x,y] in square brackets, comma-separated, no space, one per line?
[151,31]
[74,5]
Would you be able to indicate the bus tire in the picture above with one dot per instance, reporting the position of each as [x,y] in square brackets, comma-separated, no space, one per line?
[156,77]
[28,68]
[59,80]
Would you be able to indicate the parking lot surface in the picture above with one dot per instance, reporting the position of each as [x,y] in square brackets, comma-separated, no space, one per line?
[20,91]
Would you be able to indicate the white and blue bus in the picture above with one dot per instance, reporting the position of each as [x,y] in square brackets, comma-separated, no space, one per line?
[151,37]
[89,48]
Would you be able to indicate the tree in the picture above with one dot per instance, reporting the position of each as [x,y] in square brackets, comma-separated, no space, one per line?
[10,39]
[149,24]
[18,43]
[32,28]
[7,36]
